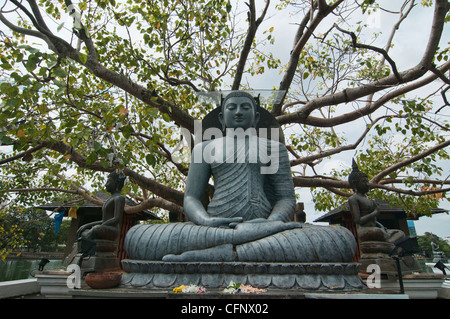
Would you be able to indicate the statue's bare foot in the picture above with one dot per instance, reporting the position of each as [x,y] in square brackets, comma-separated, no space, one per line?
[217,253]
[254,230]
[172,258]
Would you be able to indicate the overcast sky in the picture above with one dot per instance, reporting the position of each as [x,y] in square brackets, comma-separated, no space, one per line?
[409,40]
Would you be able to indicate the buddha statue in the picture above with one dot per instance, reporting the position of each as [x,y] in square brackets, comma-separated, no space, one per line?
[250,215]
[112,212]
[365,211]
[378,244]
[99,239]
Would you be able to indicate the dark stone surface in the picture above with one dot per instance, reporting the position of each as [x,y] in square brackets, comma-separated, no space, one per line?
[303,276]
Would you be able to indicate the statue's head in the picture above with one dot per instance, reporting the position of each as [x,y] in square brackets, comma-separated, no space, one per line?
[358,180]
[239,109]
[115,181]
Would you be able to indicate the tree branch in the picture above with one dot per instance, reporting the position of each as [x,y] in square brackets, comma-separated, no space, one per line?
[302,118]
[155,187]
[64,49]
[352,94]
[83,34]
[334,186]
[355,44]
[152,203]
[309,159]
[39,189]
[414,181]
[410,192]
[24,31]
[303,35]
[377,178]
[21,155]
[302,181]
[37,15]
[150,184]
[253,27]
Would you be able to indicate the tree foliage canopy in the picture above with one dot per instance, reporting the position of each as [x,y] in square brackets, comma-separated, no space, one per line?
[31,229]
[91,85]
[425,241]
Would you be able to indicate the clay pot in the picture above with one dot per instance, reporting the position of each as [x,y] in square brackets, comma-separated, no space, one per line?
[103,280]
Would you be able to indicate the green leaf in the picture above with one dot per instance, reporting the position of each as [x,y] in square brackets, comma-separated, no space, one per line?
[82,57]
[59,72]
[92,158]
[60,27]
[59,83]
[127,130]
[97,146]
[151,160]
[228,7]
[82,6]
[30,65]
[153,111]
[6,66]
[5,140]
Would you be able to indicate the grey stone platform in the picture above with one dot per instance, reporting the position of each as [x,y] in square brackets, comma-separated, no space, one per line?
[320,277]
[217,294]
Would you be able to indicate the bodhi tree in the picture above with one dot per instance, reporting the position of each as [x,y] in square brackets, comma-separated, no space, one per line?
[90,86]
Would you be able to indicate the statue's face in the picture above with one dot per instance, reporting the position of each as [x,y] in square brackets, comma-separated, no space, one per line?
[239,112]
[110,184]
[363,185]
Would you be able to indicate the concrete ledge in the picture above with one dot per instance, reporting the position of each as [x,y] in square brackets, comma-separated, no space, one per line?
[444,291]
[15,288]
[53,283]
[217,294]
[417,286]
[355,296]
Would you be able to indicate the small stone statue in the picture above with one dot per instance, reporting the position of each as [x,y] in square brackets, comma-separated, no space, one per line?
[112,212]
[365,211]
[100,238]
[250,216]
[377,244]
[437,254]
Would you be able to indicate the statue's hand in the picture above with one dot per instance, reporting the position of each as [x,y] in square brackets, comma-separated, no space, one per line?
[222,221]
[260,228]
[271,226]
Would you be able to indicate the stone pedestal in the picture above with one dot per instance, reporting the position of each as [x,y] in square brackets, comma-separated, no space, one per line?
[16,288]
[388,265]
[105,258]
[53,283]
[299,276]
[377,252]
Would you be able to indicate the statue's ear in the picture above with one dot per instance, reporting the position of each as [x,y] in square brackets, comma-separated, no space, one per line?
[257,117]
[222,121]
